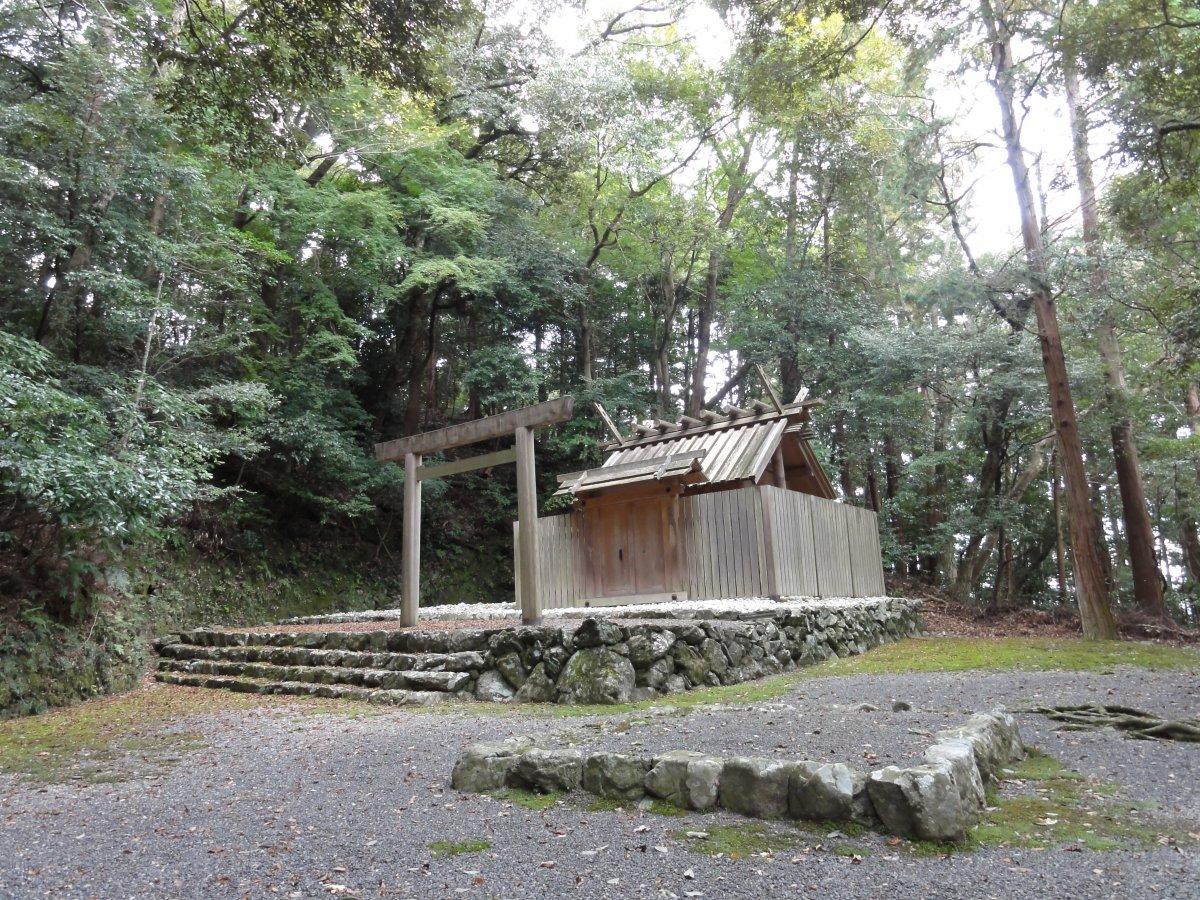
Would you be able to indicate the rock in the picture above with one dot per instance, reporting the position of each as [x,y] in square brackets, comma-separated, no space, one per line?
[994,738]
[921,802]
[617,776]
[595,633]
[689,633]
[503,643]
[656,674]
[675,684]
[486,766]
[690,663]
[492,686]
[510,666]
[596,675]
[554,658]
[647,648]
[756,787]
[714,657]
[685,779]
[901,706]
[833,792]
[736,651]
[548,770]
[867,707]
[957,757]
[538,687]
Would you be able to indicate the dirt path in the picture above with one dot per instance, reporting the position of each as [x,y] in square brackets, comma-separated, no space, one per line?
[288,803]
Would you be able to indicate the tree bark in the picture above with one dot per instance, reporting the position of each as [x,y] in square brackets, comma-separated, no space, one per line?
[734,193]
[1091,590]
[1189,534]
[1139,534]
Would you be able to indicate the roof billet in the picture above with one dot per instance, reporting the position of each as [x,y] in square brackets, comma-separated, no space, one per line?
[708,421]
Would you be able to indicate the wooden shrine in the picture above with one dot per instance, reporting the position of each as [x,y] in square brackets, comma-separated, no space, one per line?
[723,505]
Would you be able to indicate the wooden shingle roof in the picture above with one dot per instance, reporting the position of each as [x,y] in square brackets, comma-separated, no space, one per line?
[716,448]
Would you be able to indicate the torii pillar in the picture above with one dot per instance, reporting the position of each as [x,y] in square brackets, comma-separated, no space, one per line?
[518,422]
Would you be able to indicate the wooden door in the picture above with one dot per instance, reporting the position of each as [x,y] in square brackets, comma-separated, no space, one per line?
[627,547]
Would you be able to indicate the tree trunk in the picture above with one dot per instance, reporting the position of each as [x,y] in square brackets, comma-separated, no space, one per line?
[1091,590]
[789,369]
[1139,534]
[734,194]
[704,316]
[1184,499]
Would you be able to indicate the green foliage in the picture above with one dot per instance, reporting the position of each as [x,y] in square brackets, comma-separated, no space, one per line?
[239,244]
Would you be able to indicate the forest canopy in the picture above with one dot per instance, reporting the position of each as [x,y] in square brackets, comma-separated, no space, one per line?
[243,240]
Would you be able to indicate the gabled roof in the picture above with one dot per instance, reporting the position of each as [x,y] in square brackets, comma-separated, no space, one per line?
[716,448]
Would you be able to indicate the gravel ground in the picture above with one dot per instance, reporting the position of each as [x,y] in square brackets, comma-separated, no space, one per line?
[309,805]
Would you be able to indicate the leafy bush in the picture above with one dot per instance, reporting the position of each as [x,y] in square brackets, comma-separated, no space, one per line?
[88,460]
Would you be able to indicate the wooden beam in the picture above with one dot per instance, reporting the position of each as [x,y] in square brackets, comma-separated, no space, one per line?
[410,547]
[548,413]
[467,464]
[608,422]
[766,383]
[527,551]
[789,410]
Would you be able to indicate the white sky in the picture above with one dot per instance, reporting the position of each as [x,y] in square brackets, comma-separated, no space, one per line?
[990,207]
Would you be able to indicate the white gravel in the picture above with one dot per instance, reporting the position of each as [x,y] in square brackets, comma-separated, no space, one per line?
[677,609]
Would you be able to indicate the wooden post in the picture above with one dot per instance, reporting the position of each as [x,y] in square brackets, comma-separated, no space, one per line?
[410,549]
[527,552]
[780,469]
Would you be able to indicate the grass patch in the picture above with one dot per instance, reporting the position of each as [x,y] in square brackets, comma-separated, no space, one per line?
[444,849]
[739,841]
[849,851]
[746,692]
[128,735]
[1059,808]
[527,799]
[953,654]
[1064,808]
[663,808]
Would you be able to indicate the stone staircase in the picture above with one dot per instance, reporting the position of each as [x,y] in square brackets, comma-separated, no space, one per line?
[396,668]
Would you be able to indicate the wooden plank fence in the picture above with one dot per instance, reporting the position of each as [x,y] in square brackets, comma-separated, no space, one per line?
[752,542]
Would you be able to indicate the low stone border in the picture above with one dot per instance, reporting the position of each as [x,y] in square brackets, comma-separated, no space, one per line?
[936,801]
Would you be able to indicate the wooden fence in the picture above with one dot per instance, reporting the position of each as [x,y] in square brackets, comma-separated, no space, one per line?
[751,542]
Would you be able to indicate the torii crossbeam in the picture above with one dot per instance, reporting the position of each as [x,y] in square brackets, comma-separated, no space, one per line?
[518,422]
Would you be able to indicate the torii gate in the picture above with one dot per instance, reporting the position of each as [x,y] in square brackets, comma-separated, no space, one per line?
[520,423]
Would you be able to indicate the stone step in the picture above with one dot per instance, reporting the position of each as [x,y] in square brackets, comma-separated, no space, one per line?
[444,682]
[304,689]
[455,641]
[466,661]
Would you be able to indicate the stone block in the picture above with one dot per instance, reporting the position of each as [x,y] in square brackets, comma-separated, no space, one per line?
[596,675]
[486,766]
[832,792]
[617,776]
[685,779]
[548,770]
[756,787]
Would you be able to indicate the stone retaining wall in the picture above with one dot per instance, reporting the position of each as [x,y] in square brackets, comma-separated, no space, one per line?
[602,659]
[937,801]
